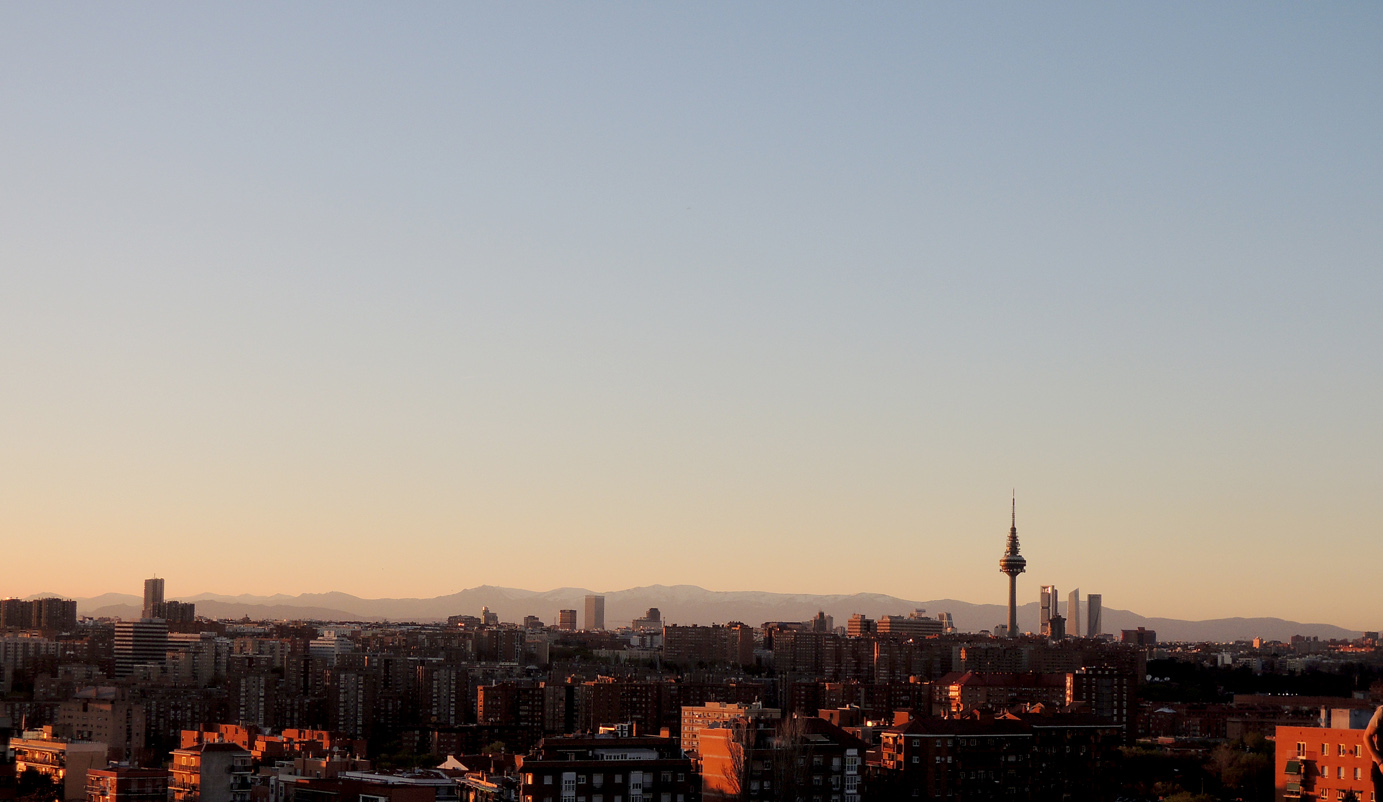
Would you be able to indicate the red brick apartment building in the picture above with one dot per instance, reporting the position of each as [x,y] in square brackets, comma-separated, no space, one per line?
[1319,764]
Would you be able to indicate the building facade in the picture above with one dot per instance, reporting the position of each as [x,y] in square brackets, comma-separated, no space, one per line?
[1320,763]
[211,772]
[143,642]
[595,613]
[153,597]
[1093,621]
[66,762]
[127,785]
[633,769]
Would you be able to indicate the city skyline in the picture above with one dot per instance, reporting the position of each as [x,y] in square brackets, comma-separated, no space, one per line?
[687,604]
[789,297]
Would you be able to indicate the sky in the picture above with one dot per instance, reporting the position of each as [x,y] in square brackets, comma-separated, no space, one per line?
[402,299]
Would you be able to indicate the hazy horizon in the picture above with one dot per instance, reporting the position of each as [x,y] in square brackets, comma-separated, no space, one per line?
[395,299]
[1022,603]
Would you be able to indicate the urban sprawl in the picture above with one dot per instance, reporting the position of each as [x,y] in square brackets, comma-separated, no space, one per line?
[176,708]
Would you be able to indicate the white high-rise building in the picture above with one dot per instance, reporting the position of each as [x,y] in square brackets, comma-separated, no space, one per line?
[1073,613]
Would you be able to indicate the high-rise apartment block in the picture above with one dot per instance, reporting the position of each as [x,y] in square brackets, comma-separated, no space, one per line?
[566,620]
[689,645]
[595,613]
[153,597]
[1093,624]
[52,614]
[176,612]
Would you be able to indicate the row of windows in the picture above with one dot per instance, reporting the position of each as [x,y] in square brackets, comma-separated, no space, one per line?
[666,797]
[599,779]
[1342,750]
[1340,772]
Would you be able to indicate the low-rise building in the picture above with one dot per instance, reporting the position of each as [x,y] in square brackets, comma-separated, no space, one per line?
[1321,763]
[606,767]
[124,784]
[65,761]
[211,772]
[964,692]
[1038,755]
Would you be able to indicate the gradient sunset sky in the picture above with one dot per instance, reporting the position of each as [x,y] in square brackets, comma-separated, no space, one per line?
[397,299]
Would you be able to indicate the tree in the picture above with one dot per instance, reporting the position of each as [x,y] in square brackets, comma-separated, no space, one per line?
[37,787]
[791,759]
[1244,768]
[735,771]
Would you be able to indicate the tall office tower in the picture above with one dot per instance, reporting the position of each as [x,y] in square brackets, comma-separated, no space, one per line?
[1073,613]
[1051,608]
[595,612]
[566,620]
[140,643]
[1092,615]
[153,597]
[1013,564]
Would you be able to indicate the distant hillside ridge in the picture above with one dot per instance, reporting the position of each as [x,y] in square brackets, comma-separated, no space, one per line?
[686,604]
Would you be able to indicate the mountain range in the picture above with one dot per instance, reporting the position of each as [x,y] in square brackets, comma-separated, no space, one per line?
[684,604]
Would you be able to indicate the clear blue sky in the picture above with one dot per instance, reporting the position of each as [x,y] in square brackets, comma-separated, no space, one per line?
[397,300]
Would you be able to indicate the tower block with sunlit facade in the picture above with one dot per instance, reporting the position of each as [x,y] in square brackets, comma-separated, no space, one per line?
[1013,564]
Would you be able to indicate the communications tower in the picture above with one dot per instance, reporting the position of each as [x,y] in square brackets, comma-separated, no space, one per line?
[1013,564]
